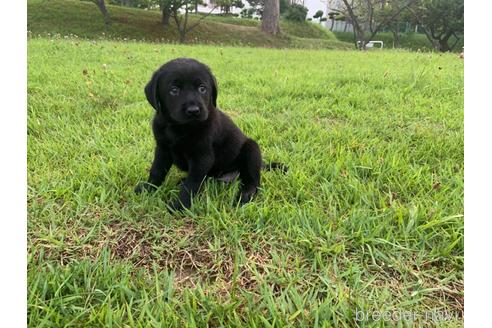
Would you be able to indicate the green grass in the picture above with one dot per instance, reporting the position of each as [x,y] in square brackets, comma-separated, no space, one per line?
[84,19]
[369,216]
[409,41]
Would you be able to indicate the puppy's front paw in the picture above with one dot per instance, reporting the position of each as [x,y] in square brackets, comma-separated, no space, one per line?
[177,206]
[246,196]
[144,187]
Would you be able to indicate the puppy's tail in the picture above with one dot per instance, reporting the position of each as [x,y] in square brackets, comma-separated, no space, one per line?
[274,166]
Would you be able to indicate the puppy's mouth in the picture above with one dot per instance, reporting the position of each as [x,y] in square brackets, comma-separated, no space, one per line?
[197,119]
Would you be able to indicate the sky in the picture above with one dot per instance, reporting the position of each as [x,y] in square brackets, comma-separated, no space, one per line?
[314,6]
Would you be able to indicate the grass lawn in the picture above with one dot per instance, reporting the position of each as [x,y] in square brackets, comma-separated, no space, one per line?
[368,218]
[84,19]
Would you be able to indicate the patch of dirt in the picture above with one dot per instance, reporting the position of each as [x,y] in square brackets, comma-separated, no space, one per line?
[181,249]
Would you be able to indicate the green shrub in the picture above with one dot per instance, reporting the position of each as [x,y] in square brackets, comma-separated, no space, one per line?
[247,12]
[296,13]
[284,5]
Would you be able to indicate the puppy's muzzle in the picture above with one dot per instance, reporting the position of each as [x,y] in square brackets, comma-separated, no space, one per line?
[192,110]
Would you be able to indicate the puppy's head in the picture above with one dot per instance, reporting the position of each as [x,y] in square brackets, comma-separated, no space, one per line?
[184,90]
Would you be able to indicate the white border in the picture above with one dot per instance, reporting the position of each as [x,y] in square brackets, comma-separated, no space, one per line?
[13,218]
[478,166]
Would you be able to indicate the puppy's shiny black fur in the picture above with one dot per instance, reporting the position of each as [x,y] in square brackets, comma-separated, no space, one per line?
[192,133]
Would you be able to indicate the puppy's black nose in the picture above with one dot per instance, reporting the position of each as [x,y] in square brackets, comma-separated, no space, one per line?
[192,110]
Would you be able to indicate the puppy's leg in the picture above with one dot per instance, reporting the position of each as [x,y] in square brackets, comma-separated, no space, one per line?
[160,166]
[249,170]
[198,169]
[228,177]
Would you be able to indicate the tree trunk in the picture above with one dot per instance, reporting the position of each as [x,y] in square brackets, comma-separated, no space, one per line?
[182,36]
[182,28]
[396,39]
[435,43]
[359,36]
[444,42]
[166,16]
[429,34]
[396,35]
[455,42]
[270,17]
[104,11]
[443,45]
[360,40]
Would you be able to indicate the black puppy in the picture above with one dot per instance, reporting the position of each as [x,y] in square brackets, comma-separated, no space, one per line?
[192,133]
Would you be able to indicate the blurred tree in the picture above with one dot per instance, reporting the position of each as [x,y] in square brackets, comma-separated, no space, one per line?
[165,7]
[440,20]
[332,16]
[371,16]
[102,7]
[395,25]
[318,14]
[270,17]
[247,12]
[284,5]
[256,6]
[181,20]
[296,12]
[171,9]
[226,5]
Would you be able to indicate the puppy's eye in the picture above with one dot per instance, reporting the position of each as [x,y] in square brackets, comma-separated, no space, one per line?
[174,91]
[202,89]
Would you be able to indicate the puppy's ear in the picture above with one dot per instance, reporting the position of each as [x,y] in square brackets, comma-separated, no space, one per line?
[151,90]
[214,88]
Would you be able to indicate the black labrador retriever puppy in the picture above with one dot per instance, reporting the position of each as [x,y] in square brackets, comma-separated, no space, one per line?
[192,133]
